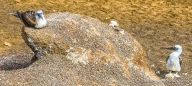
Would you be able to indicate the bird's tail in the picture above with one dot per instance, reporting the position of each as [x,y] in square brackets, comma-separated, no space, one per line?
[17,14]
[14,14]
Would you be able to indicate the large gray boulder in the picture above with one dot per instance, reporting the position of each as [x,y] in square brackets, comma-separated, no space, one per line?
[85,51]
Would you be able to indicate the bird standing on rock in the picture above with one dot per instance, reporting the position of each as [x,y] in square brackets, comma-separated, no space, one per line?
[173,62]
[32,18]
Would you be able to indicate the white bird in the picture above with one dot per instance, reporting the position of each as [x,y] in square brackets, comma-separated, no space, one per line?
[173,61]
[32,18]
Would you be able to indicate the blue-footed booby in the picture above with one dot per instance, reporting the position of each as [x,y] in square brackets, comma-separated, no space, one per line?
[173,61]
[32,18]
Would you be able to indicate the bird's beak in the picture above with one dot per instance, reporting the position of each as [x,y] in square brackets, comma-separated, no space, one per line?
[40,15]
[171,48]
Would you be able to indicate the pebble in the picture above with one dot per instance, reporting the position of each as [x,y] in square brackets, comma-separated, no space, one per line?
[185,74]
[169,76]
[7,44]
[158,72]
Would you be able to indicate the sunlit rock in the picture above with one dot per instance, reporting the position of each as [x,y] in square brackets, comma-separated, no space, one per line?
[119,59]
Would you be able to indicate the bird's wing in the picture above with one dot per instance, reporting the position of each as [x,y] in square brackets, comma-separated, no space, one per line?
[167,59]
[180,61]
[29,17]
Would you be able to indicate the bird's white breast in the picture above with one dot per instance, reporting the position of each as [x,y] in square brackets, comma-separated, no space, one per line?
[173,63]
[40,23]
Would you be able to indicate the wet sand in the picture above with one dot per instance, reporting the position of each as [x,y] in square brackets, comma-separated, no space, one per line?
[154,23]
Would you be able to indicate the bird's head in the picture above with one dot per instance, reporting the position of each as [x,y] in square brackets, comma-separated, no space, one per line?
[176,47]
[39,13]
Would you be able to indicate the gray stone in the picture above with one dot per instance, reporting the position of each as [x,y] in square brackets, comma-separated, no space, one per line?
[98,52]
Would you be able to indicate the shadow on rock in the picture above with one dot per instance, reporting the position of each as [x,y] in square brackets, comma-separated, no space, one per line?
[16,61]
[162,74]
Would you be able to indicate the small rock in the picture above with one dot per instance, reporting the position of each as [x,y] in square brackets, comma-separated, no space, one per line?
[158,72]
[169,76]
[185,74]
[163,80]
[176,75]
[7,44]
[152,65]
[122,32]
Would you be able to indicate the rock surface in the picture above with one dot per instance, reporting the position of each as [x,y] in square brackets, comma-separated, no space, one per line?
[154,23]
[95,53]
[15,61]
